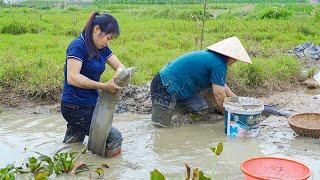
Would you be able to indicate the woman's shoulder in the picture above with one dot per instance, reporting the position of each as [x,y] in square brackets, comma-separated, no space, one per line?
[77,48]
[78,42]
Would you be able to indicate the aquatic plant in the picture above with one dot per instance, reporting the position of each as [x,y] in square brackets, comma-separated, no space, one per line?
[8,172]
[194,174]
[216,152]
[64,162]
[44,166]
[156,175]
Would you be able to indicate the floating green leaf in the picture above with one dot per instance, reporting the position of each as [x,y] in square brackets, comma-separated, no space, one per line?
[156,175]
[7,173]
[217,150]
[202,176]
[45,158]
[32,160]
[33,164]
[42,173]
[100,171]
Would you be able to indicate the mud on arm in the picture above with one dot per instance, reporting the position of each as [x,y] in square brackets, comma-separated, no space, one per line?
[229,92]
[219,96]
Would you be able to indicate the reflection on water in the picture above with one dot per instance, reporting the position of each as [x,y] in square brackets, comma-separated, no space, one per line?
[146,148]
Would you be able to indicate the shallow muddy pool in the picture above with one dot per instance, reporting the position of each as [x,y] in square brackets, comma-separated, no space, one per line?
[146,148]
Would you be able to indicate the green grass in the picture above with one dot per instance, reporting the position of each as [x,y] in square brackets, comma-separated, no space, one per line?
[312,71]
[33,41]
[277,69]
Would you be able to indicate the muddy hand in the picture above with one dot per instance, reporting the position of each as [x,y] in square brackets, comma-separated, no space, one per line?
[119,70]
[112,87]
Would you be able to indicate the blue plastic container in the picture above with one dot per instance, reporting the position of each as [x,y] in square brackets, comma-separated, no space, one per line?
[242,116]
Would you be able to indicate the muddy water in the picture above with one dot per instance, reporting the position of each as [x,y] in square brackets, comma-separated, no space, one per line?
[146,148]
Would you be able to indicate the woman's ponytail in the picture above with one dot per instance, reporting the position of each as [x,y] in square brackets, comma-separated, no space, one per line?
[87,32]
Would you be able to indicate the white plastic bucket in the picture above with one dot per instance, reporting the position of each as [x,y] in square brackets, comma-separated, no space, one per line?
[242,116]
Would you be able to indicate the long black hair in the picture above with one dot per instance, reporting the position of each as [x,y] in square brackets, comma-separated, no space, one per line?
[108,25]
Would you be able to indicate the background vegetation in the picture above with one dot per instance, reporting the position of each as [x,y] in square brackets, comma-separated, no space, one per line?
[33,40]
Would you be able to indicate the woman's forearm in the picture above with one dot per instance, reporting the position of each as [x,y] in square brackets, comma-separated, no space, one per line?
[82,81]
[115,63]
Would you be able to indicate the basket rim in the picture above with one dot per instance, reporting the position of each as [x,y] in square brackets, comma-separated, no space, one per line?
[301,127]
[277,158]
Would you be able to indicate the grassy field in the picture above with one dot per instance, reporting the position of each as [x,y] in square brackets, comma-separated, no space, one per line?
[33,41]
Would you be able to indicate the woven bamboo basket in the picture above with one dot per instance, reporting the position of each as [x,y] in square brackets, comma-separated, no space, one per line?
[306,124]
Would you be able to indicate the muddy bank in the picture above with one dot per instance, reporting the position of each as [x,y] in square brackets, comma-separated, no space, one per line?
[136,99]
[276,127]
[133,99]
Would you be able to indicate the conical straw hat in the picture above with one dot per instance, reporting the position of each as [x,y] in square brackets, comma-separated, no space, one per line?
[231,47]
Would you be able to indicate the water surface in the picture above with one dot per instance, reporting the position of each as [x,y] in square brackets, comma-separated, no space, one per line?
[146,148]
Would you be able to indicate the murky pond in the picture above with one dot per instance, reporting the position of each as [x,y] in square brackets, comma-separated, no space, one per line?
[146,148]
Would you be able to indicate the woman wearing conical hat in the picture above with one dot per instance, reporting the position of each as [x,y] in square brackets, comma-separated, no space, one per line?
[181,80]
